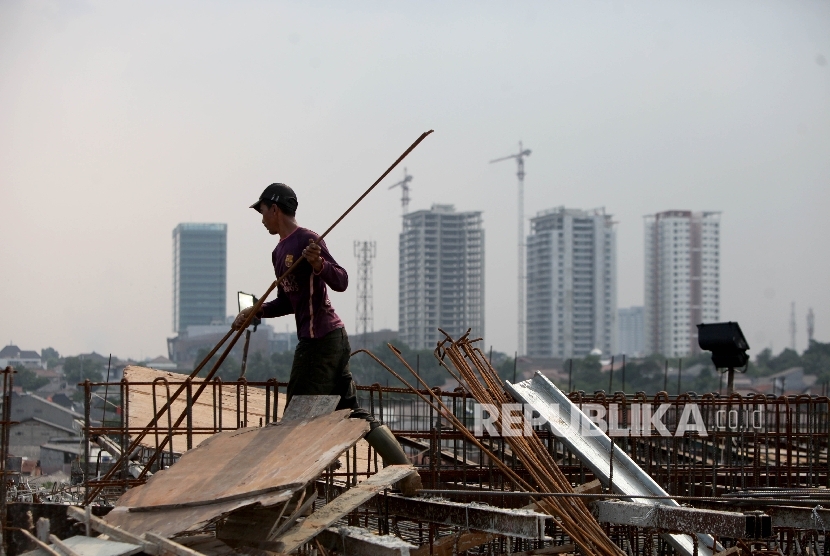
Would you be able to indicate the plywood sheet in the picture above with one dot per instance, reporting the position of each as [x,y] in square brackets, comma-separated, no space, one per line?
[350,500]
[140,411]
[168,523]
[233,469]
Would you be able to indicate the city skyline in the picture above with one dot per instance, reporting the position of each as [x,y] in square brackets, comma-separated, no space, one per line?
[121,120]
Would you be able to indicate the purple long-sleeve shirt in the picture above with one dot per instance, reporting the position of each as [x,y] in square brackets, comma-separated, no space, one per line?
[303,292]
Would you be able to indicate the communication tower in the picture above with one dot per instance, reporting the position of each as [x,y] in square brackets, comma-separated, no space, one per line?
[365,252]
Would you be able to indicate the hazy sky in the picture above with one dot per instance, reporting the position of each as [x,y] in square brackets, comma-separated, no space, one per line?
[119,120]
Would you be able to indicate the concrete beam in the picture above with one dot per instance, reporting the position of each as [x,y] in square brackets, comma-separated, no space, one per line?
[522,523]
[361,542]
[800,518]
[731,525]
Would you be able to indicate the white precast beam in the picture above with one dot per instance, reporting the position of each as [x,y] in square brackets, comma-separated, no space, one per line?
[593,448]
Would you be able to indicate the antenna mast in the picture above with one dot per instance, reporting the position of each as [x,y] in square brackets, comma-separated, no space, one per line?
[520,173]
[404,185]
[365,252]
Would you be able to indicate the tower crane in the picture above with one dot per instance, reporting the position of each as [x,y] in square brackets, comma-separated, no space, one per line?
[520,162]
[404,185]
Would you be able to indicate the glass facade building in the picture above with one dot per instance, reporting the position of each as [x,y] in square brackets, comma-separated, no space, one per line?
[199,274]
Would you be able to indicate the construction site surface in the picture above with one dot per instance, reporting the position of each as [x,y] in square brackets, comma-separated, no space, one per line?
[218,468]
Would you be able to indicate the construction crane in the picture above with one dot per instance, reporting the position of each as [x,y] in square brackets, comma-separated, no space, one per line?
[520,162]
[404,184]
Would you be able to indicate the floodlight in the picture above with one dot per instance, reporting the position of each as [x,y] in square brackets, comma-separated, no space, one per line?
[727,344]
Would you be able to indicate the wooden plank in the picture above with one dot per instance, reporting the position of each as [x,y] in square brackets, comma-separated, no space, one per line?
[256,524]
[301,507]
[170,546]
[304,408]
[116,533]
[42,545]
[339,507]
[207,545]
[57,543]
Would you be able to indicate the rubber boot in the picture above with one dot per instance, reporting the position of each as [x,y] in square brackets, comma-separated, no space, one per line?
[385,444]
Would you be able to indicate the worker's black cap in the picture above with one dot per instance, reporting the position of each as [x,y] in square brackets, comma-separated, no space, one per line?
[280,194]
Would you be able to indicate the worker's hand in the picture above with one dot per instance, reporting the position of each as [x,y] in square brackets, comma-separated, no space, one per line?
[240,318]
[312,255]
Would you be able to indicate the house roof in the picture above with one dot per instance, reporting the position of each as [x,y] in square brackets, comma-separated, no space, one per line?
[70,448]
[74,414]
[94,357]
[786,372]
[29,355]
[9,352]
[50,424]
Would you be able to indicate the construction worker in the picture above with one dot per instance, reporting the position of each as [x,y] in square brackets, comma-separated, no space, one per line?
[321,359]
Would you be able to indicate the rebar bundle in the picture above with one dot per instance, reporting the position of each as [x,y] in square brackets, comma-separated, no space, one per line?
[477,375]
[570,513]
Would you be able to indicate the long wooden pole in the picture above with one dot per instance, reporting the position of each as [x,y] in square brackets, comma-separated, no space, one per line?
[251,316]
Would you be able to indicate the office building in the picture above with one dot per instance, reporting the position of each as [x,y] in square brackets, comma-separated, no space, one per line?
[631,332]
[441,275]
[571,283]
[682,279]
[199,274]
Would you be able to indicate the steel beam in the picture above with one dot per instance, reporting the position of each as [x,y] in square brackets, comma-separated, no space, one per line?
[593,448]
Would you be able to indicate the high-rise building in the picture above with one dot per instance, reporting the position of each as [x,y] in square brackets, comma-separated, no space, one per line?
[682,279]
[199,274]
[631,337]
[571,283]
[441,275]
